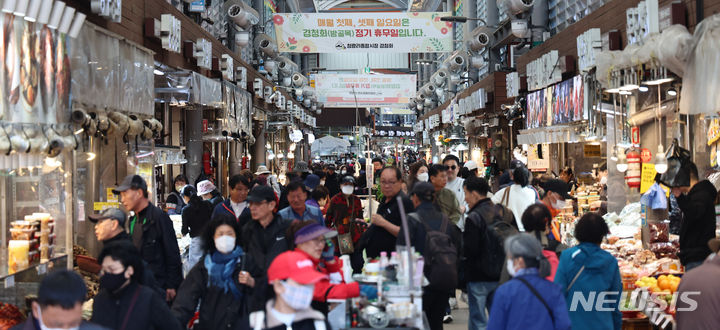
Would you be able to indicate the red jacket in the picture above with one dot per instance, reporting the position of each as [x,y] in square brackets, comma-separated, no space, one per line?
[325,290]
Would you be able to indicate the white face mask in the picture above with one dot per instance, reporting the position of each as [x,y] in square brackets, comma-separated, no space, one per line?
[298,297]
[511,268]
[44,327]
[603,180]
[424,177]
[179,188]
[343,172]
[347,190]
[558,204]
[225,244]
[322,182]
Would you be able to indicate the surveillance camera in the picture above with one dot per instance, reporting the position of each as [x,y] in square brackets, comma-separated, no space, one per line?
[267,45]
[481,37]
[428,90]
[242,38]
[514,7]
[457,61]
[286,81]
[519,28]
[440,77]
[298,80]
[306,102]
[241,14]
[258,87]
[286,66]
[439,92]
[298,92]
[477,61]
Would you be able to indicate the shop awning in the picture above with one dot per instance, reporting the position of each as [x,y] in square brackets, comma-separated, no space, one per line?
[553,134]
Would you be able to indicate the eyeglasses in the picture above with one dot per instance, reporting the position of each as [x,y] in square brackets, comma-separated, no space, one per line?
[453,167]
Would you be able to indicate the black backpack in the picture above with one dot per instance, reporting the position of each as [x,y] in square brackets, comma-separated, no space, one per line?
[441,257]
[500,225]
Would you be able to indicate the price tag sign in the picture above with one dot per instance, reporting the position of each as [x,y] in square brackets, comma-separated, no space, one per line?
[10,281]
[111,197]
[647,178]
[41,269]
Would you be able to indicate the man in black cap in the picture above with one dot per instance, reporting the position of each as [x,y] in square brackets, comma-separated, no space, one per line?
[332,182]
[152,233]
[263,238]
[109,225]
[425,218]
[556,195]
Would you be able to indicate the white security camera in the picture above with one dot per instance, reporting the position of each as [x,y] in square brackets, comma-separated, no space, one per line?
[519,28]
[440,77]
[266,45]
[428,90]
[241,14]
[258,87]
[286,66]
[457,61]
[307,102]
[298,92]
[286,81]
[514,7]
[428,102]
[439,92]
[298,80]
[242,38]
[481,37]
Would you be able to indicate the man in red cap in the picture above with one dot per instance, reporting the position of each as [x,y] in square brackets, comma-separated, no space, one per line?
[292,276]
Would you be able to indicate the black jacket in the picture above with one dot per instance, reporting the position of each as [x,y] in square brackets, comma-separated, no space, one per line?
[332,183]
[430,215]
[698,225]
[377,239]
[195,216]
[225,208]
[159,247]
[475,241]
[150,311]
[148,279]
[264,244]
[218,310]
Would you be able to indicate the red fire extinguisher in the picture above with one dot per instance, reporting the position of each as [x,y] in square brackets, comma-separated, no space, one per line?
[632,176]
[244,163]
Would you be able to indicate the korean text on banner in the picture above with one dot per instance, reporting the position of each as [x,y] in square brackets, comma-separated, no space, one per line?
[648,177]
[376,90]
[415,32]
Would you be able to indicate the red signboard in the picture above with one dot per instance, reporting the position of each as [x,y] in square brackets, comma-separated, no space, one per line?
[490,145]
[204,125]
[645,155]
[635,135]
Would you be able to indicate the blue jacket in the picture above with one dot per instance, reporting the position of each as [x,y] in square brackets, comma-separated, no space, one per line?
[225,208]
[601,274]
[311,213]
[514,306]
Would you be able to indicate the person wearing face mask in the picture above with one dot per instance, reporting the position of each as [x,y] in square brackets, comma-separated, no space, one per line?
[292,278]
[345,215]
[152,233]
[174,204]
[418,173]
[195,217]
[556,195]
[123,302]
[528,301]
[314,242]
[207,190]
[220,283]
[587,269]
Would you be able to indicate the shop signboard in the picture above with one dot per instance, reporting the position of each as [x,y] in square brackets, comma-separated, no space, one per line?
[400,32]
[365,90]
[592,150]
[647,178]
[538,157]
[562,103]
[645,155]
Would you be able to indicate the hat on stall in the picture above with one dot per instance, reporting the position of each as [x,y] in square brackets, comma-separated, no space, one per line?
[296,266]
[205,187]
[111,213]
[301,167]
[347,179]
[471,165]
[311,182]
[262,169]
[131,182]
[557,186]
[261,193]
[310,232]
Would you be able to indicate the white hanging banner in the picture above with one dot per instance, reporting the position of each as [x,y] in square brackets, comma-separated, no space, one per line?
[365,90]
[414,32]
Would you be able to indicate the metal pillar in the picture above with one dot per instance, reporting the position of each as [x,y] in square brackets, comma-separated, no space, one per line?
[235,161]
[194,144]
[259,152]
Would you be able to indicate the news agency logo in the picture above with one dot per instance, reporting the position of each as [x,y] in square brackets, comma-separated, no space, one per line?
[641,300]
